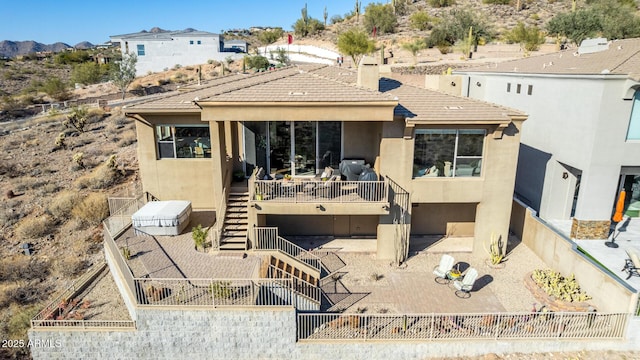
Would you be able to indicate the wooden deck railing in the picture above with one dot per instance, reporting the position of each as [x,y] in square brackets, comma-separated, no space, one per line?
[362,327]
[267,238]
[214,292]
[299,190]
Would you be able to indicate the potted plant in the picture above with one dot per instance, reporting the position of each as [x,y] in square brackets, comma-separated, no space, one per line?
[238,175]
[199,236]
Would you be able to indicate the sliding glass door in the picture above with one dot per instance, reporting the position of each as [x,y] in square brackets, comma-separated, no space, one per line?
[279,154]
[299,148]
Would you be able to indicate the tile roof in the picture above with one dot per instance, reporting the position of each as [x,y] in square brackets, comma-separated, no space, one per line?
[321,83]
[420,105]
[621,58]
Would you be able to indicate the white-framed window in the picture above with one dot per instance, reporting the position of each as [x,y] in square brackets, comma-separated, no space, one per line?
[199,42]
[633,133]
[140,48]
[190,42]
[183,141]
[448,152]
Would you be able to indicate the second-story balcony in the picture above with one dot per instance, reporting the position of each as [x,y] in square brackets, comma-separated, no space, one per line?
[332,196]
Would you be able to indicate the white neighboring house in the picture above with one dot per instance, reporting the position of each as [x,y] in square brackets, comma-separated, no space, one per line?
[581,144]
[157,51]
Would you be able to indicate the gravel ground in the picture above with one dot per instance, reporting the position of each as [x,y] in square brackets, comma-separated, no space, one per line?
[104,300]
[497,289]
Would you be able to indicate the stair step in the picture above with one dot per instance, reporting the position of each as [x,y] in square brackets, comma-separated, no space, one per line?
[234,233]
[236,209]
[233,246]
[236,221]
[236,215]
[238,197]
[242,227]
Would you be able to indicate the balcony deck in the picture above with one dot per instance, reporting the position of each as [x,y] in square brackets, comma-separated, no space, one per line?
[315,196]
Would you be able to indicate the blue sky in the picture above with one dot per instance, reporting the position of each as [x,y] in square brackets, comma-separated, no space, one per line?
[73,21]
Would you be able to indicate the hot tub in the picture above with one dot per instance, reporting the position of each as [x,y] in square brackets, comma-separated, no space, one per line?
[162,217]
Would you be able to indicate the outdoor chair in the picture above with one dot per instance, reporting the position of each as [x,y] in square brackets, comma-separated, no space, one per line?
[328,189]
[442,270]
[464,286]
[632,264]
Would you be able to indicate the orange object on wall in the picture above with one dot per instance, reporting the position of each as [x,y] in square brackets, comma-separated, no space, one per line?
[617,216]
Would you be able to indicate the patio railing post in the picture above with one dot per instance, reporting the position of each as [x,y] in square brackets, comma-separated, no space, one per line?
[559,323]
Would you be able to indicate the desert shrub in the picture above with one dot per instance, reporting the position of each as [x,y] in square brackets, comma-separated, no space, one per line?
[20,267]
[61,206]
[336,19]
[10,169]
[497,2]
[529,37]
[441,3]
[70,264]
[9,216]
[101,177]
[420,20]
[20,321]
[380,16]
[48,189]
[257,62]
[127,139]
[35,227]
[56,88]
[92,209]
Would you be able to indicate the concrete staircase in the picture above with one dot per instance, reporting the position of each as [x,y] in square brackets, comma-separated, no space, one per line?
[234,229]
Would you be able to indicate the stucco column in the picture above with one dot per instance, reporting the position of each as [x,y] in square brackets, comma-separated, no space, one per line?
[493,213]
[396,162]
[219,158]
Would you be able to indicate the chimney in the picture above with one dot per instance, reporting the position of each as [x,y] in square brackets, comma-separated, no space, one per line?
[368,73]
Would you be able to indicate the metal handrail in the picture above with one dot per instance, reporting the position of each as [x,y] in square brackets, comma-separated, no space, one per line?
[267,238]
[119,221]
[300,286]
[364,327]
[85,324]
[64,296]
[221,210]
[214,292]
[300,190]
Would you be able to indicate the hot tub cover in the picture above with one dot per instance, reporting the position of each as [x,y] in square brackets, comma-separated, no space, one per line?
[162,214]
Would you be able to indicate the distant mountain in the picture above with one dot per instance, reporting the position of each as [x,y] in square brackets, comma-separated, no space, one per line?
[14,48]
[84,45]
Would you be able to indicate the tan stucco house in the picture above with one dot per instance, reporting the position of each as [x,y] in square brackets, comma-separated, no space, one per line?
[441,164]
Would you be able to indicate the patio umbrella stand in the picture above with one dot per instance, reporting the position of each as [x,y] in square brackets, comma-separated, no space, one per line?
[617,217]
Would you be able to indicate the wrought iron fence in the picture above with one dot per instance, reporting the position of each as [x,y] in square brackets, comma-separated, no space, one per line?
[312,191]
[300,286]
[85,324]
[267,238]
[364,327]
[120,220]
[214,292]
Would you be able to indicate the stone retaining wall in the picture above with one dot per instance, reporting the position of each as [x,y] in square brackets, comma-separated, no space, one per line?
[590,229]
[267,334]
